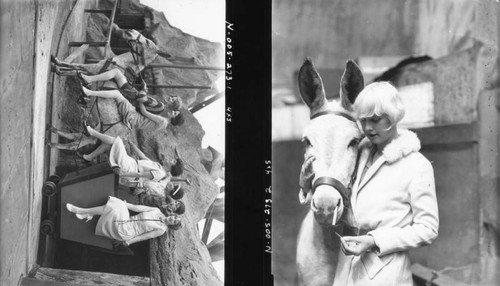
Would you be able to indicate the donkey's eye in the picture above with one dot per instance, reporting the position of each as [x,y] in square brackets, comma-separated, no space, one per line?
[354,142]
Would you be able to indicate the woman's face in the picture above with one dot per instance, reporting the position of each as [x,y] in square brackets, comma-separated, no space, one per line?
[172,206]
[172,220]
[378,129]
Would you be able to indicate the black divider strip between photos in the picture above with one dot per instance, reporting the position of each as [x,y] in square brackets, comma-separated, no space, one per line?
[248,143]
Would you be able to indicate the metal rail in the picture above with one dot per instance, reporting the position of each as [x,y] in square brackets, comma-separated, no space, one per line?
[205,103]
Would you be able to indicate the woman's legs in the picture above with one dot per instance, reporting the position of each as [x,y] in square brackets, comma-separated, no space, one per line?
[106,139]
[115,74]
[112,94]
[98,151]
[85,211]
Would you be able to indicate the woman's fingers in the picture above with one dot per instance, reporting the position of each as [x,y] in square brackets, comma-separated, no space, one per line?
[345,246]
[352,245]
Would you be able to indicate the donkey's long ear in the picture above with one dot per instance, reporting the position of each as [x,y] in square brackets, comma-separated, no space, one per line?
[351,84]
[311,87]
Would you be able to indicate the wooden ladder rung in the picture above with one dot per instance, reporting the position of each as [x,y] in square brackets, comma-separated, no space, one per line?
[120,50]
[91,44]
[98,11]
[92,61]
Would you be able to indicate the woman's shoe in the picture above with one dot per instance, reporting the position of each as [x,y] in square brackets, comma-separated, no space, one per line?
[83,82]
[73,209]
[85,130]
[87,217]
[83,98]
[80,155]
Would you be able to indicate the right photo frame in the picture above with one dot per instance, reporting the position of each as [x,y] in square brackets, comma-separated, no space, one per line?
[384,142]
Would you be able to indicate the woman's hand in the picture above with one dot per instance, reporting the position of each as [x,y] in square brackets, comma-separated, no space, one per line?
[357,245]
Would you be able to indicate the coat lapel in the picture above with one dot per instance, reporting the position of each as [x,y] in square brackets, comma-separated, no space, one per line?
[371,172]
[406,143]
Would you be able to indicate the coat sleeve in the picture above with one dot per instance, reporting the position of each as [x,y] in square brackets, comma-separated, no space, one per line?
[425,220]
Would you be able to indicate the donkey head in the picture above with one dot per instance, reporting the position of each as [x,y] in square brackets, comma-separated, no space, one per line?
[145,48]
[331,142]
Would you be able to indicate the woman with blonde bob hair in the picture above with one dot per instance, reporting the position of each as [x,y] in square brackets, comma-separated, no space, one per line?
[393,197]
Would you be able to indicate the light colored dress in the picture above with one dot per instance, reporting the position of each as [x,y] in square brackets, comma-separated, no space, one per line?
[118,157]
[134,119]
[116,223]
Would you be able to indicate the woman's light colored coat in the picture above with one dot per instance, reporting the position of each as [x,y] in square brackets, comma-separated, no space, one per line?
[396,200]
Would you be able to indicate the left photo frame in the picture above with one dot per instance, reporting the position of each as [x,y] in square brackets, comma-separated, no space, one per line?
[113,142]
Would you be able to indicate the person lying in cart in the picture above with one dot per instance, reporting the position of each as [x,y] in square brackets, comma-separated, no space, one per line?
[142,119]
[162,187]
[167,204]
[132,172]
[116,223]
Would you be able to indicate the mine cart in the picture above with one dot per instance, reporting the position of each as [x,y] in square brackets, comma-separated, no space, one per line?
[89,187]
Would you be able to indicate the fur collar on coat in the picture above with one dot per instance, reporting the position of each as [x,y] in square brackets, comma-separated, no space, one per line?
[406,143]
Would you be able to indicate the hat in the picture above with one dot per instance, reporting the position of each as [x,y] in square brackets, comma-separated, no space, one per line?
[154,106]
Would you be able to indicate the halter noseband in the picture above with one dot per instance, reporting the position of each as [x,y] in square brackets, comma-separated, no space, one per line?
[345,192]
[134,49]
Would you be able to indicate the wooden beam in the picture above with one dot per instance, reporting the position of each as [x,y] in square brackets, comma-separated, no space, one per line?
[448,134]
[206,230]
[73,277]
[111,21]
[424,274]
[98,11]
[76,53]
[217,240]
[35,282]
[216,252]
[91,44]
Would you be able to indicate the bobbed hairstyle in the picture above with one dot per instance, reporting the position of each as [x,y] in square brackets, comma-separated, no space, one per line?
[176,104]
[379,98]
[181,208]
[177,192]
[178,120]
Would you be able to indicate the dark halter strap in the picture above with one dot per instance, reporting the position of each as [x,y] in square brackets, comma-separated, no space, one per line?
[345,193]
[339,113]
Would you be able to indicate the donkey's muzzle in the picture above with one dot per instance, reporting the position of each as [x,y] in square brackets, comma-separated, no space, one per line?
[345,193]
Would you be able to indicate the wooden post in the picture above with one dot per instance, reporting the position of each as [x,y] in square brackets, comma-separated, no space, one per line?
[108,38]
